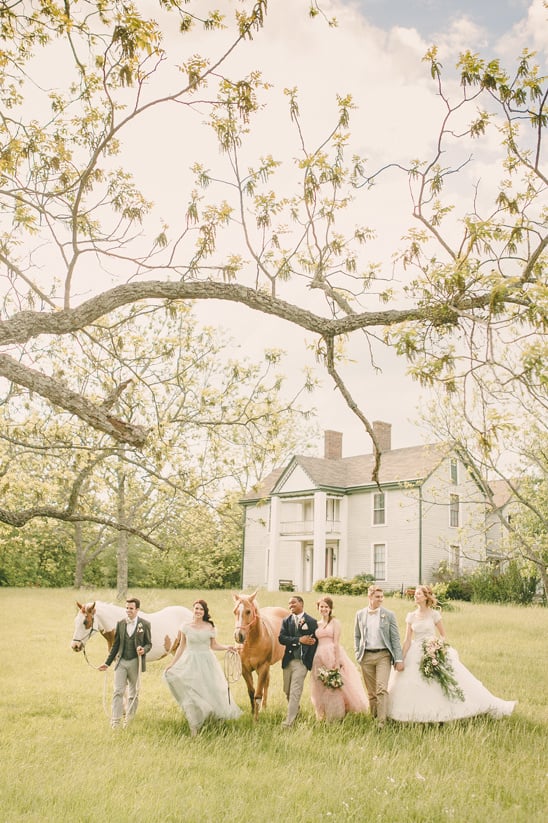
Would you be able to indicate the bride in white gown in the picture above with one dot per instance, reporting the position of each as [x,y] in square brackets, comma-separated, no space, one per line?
[413,698]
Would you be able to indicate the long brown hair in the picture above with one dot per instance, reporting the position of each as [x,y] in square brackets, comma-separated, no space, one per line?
[328,602]
[431,599]
[205,607]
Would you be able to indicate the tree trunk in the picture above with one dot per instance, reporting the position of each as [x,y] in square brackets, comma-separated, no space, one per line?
[80,558]
[122,543]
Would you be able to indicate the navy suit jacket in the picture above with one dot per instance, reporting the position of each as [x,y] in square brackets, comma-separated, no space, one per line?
[289,637]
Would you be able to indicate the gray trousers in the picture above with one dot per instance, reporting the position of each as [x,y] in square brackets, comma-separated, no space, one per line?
[125,674]
[294,676]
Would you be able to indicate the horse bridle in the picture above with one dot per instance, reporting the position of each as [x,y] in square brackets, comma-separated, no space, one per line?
[84,640]
[240,626]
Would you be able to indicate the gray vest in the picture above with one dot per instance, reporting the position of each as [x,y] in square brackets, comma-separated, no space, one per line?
[128,650]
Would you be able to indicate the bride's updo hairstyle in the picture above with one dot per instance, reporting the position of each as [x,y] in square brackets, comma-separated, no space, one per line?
[205,607]
[328,602]
[431,599]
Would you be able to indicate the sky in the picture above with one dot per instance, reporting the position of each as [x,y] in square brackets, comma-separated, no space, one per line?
[375,53]
[432,16]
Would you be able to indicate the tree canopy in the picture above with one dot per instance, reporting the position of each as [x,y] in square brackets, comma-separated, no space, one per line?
[80,241]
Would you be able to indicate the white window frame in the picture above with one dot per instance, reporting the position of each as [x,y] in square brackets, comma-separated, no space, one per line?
[454,511]
[454,470]
[379,510]
[332,510]
[384,561]
[455,558]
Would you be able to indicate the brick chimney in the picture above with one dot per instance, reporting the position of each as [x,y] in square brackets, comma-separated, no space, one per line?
[383,434]
[332,445]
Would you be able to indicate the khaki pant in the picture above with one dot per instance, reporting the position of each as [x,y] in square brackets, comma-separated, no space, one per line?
[126,673]
[294,676]
[375,668]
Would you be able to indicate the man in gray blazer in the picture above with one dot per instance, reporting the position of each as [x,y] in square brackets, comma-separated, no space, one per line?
[377,646]
[131,644]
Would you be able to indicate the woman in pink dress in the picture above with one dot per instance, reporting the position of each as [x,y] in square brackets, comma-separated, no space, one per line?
[334,703]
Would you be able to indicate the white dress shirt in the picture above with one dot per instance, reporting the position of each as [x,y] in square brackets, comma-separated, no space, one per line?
[373,637]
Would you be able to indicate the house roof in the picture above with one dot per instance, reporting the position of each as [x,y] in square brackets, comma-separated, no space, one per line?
[262,489]
[345,473]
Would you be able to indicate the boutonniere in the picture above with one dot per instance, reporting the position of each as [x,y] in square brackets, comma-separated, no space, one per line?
[140,628]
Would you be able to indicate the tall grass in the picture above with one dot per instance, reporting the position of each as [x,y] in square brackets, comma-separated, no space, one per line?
[61,761]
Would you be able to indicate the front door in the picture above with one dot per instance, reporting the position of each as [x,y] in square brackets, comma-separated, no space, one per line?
[308,564]
[331,566]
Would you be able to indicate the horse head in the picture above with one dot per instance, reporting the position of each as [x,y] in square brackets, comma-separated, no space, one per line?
[84,625]
[247,614]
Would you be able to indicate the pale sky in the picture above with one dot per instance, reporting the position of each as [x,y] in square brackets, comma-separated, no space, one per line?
[432,16]
[375,53]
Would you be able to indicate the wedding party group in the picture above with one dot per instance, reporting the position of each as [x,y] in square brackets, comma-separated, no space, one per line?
[419,681]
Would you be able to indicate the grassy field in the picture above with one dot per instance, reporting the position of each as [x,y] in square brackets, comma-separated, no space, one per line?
[61,762]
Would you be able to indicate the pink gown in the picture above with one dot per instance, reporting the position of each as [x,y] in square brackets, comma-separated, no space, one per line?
[333,704]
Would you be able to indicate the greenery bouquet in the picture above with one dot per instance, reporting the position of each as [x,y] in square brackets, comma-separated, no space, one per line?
[331,678]
[434,665]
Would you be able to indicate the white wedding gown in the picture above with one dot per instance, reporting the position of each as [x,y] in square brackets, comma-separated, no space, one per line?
[414,699]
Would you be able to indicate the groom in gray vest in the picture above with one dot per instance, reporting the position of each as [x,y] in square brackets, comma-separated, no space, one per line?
[132,642]
[377,646]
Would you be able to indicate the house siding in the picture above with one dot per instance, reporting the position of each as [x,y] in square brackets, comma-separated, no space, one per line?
[417,533]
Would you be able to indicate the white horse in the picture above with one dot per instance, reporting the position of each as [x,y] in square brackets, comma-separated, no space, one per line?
[100,617]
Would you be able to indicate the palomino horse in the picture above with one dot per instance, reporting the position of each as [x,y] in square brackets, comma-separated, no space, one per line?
[257,630]
[99,617]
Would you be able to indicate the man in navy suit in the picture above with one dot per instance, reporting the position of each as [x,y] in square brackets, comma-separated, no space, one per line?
[297,634]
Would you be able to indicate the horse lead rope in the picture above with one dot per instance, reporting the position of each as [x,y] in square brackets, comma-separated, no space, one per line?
[233,668]
[105,679]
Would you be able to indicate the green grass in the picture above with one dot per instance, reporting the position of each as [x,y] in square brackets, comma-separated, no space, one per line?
[61,762]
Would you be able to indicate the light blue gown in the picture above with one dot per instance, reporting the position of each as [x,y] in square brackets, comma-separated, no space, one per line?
[197,682]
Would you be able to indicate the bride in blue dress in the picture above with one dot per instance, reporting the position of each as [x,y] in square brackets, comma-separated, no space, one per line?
[195,677]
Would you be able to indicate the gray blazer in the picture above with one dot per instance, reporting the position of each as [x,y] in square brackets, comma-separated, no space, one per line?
[389,633]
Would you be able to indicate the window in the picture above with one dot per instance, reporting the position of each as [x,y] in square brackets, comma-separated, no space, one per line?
[454,559]
[379,561]
[454,470]
[453,510]
[379,513]
[308,511]
[332,509]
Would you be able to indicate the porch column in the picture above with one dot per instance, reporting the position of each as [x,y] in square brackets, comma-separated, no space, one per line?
[273,543]
[318,563]
[342,567]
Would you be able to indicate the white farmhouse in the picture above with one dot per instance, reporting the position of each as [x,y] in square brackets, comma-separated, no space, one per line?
[324,516]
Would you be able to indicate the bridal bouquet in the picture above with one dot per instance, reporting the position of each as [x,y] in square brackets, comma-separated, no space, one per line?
[434,665]
[331,678]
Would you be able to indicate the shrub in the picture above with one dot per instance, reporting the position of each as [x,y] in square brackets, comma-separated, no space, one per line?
[513,585]
[358,585]
[459,589]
